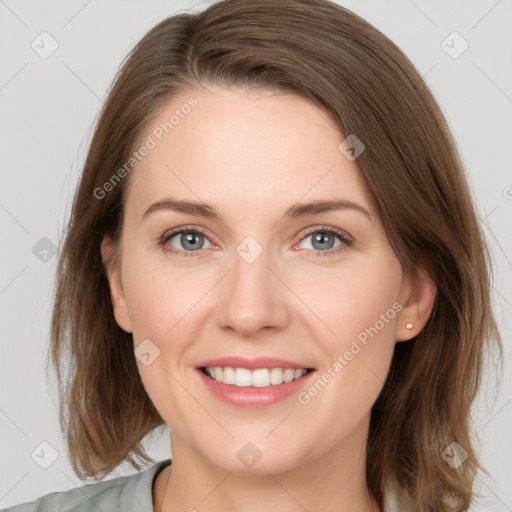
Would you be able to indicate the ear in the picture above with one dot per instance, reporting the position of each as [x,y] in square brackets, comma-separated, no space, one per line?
[417,296]
[111,264]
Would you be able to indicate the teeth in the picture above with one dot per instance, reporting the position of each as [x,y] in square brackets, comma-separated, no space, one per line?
[259,378]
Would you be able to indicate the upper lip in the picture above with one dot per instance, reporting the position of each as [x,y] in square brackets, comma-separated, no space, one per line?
[252,364]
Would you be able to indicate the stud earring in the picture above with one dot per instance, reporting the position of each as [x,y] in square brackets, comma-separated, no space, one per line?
[409,325]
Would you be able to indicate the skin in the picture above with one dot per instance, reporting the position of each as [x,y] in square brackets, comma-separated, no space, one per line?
[252,155]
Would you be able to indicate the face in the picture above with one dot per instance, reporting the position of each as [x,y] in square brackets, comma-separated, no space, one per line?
[319,289]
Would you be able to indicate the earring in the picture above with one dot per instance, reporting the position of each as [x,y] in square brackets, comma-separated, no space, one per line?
[408,325]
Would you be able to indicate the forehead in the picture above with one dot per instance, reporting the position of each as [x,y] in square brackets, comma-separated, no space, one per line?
[243,151]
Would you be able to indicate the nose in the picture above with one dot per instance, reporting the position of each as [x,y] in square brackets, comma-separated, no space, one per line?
[253,298]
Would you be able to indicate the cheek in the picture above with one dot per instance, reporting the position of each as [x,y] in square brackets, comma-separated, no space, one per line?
[343,303]
[151,308]
[152,293]
[164,304]
[164,314]
[367,314]
[361,309]
[356,299]
[364,320]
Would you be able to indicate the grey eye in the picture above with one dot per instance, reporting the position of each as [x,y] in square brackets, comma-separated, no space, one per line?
[322,239]
[189,240]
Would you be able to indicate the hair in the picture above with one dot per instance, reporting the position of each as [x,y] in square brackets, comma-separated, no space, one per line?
[326,54]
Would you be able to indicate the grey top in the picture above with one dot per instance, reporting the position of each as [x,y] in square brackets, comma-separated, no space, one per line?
[131,493]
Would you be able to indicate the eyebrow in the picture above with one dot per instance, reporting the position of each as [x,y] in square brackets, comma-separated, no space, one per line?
[296,211]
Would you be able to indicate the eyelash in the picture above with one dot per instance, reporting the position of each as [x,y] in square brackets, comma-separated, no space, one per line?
[346,241]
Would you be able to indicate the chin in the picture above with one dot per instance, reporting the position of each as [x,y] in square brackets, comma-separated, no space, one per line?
[248,459]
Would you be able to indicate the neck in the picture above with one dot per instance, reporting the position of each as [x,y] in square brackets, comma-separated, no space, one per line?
[332,482]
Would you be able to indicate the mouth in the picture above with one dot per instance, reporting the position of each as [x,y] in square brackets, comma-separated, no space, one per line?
[257,378]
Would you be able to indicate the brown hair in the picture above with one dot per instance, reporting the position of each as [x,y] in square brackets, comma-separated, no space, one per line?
[326,54]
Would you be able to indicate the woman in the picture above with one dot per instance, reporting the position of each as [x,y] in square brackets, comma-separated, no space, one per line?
[193,290]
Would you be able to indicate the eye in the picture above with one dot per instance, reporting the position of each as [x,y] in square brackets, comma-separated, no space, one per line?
[191,240]
[323,240]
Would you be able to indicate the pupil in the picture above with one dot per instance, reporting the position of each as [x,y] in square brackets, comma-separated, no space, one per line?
[189,239]
[320,237]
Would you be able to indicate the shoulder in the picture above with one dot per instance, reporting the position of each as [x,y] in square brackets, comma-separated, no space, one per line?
[104,496]
[118,494]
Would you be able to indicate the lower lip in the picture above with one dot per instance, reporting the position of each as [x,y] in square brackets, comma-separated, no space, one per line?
[249,396]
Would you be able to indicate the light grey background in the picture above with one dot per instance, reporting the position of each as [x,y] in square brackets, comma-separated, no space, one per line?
[48,108]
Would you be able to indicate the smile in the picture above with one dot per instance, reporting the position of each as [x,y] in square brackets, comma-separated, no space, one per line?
[260,378]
